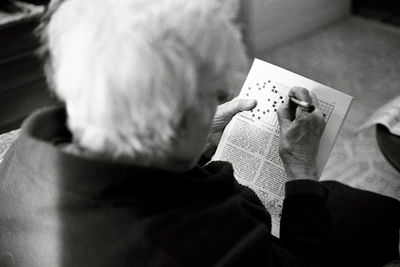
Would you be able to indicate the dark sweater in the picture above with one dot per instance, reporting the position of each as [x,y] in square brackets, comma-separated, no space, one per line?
[60,209]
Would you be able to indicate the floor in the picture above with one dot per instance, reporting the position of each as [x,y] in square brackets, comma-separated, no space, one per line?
[359,57]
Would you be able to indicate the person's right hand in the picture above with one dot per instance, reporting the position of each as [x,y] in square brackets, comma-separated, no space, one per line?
[300,133]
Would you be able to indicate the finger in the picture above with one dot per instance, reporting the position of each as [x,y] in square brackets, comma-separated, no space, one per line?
[226,111]
[314,100]
[300,93]
[320,117]
[237,105]
[246,104]
[285,115]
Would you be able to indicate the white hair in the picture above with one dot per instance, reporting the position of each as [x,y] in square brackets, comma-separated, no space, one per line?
[128,69]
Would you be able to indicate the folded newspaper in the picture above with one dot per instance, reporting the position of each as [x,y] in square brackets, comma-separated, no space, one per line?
[388,115]
[251,140]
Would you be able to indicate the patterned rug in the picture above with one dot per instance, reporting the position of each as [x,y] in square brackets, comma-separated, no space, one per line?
[357,161]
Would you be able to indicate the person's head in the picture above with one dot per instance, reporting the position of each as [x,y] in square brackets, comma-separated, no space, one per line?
[141,79]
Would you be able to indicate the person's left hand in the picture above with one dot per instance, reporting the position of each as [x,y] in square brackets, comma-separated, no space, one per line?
[223,116]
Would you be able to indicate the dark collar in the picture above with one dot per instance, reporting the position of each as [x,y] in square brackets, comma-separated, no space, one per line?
[109,181]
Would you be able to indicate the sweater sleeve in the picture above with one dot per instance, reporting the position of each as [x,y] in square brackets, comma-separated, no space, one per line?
[305,231]
[305,227]
[306,223]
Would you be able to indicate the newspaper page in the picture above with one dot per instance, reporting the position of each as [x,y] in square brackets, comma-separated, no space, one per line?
[251,140]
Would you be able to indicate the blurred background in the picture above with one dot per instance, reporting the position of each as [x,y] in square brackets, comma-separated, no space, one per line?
[350,45]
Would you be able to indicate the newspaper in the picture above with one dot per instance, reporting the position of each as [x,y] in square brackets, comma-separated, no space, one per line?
[388,115]
[251,140]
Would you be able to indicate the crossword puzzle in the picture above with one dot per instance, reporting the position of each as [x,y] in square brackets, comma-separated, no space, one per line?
[275,95]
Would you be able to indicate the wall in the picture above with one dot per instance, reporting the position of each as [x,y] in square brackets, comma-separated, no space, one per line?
[23,87]
[272,22]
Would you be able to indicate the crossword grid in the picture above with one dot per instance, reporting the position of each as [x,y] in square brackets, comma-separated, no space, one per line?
[275,94]
[326,109]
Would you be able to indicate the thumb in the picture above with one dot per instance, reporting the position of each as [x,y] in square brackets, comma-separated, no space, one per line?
[237,105]
[227,110]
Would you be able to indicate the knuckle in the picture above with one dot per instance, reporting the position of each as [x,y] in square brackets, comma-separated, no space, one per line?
[283,150]
[317,116]
[320,118]
[295,89]
[318,122]
[303,90]
[311,121]
[312,95]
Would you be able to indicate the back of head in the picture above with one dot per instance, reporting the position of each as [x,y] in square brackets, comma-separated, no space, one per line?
[127,70]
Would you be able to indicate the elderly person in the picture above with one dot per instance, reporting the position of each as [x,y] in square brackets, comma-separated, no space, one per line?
[112,177]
